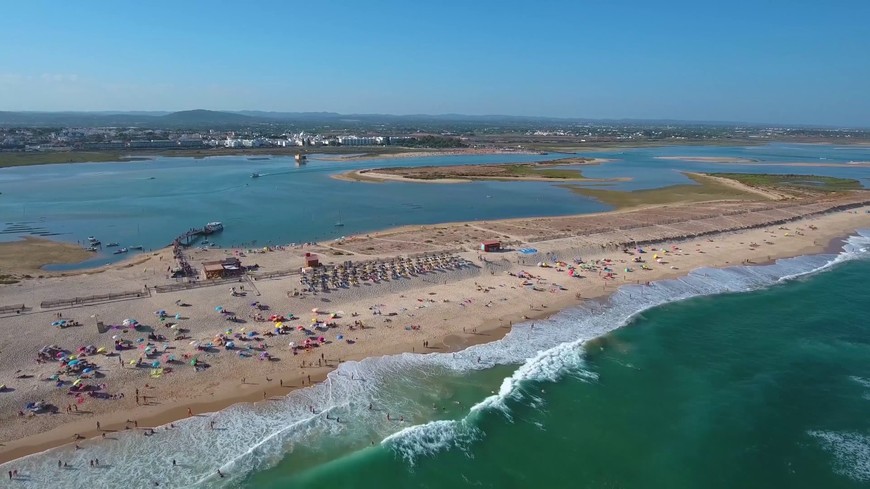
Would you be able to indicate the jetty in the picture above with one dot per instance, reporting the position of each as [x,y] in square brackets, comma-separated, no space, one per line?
[192,234]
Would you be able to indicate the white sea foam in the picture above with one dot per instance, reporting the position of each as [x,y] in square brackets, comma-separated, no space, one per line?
[851,453]
[433,437]
[255,437]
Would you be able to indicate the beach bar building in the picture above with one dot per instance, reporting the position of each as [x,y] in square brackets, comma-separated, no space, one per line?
[311,260]
[228,267]
[490,245]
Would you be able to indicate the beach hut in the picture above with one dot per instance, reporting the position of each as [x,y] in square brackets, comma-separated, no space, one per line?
[490,246]
[311,260]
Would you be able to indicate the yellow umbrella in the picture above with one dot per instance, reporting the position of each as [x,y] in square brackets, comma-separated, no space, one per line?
[132,362]
[77,382]
[101,349]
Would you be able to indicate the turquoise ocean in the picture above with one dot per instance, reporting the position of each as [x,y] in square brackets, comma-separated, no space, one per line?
[738,377]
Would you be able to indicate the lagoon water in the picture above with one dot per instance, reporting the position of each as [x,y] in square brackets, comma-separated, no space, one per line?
[147,203]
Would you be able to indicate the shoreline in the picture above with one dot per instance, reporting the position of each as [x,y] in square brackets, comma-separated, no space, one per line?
[491,329]
[332,154]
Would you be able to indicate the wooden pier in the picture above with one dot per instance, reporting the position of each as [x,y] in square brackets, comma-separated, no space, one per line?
[188,237]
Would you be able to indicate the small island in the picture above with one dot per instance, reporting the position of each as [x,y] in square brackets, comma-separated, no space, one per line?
[535,171]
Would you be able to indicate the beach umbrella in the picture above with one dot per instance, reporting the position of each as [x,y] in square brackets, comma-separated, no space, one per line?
[292,344]
[178,316]
[314,310]
[101,350]
[339,337]
[56,323]
[321,339]
[77,382]
[251,334]
[155,364]
[279,325]
[300,328]
[87,370]
[115,337]
[74,362]
[218,308]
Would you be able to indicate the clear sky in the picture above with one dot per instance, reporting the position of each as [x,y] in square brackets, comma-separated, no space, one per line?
[789,61]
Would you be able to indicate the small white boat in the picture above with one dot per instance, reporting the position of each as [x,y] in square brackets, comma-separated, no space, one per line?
[91,238]
[214,226]
[112,245]
[120,251]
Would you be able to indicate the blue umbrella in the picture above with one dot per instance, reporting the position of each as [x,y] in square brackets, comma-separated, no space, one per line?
[340,337]
[218,308]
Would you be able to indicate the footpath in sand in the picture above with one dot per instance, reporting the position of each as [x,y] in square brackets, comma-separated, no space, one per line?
[459,298]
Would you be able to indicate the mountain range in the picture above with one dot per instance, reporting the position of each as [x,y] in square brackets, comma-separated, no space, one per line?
[200,118]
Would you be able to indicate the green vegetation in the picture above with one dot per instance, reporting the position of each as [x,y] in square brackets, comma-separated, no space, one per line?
[529,171]
[432,142]
[54,157]
[793,182]
[706,190]
[8,280]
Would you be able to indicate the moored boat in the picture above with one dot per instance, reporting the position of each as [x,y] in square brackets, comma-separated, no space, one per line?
[214,227]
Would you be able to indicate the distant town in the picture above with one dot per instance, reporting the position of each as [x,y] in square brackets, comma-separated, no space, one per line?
[205,131]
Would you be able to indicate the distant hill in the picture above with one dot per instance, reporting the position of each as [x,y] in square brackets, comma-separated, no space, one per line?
[201,117]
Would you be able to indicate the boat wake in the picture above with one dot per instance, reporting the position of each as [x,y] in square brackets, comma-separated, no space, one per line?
[256,437]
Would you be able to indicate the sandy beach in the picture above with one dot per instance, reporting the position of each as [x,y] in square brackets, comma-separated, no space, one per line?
[456,298]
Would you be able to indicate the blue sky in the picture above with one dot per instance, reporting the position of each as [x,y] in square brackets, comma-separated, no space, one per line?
[791,61]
